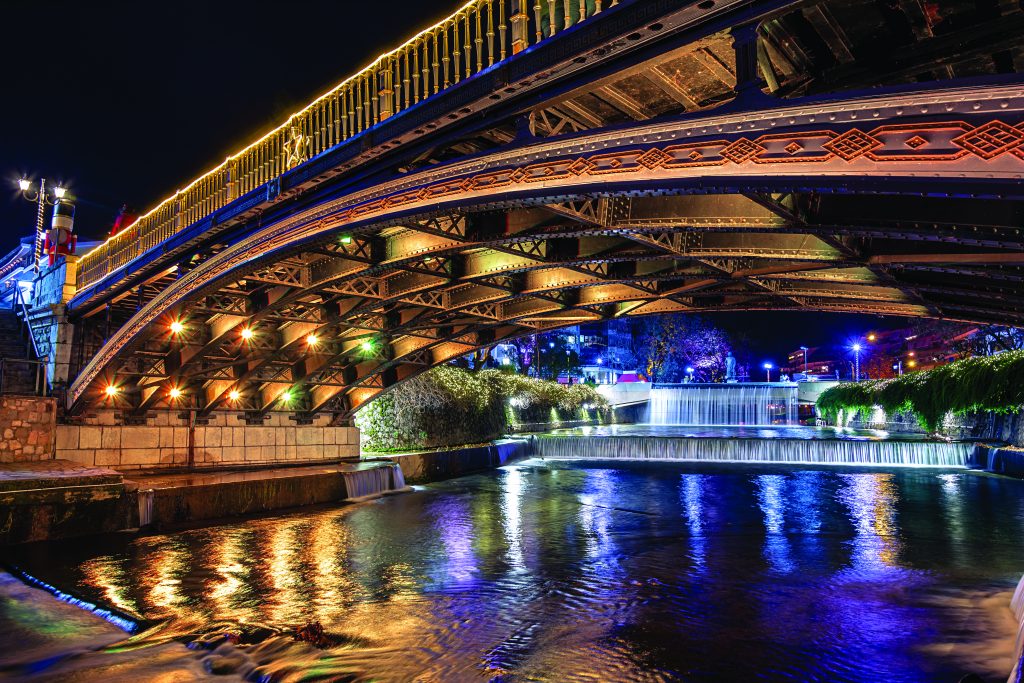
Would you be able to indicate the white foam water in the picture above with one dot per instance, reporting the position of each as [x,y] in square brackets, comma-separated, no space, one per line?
[803,451]
[373,481]
[145,497]
[723,404]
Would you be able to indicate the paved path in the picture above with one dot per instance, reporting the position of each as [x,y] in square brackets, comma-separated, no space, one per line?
[42,474]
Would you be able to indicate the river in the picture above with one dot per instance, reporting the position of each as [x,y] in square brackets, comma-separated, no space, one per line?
[563,571]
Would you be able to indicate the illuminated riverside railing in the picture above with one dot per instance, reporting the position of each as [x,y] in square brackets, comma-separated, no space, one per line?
[475,37]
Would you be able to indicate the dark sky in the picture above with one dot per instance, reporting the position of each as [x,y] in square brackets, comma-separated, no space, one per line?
[126,101]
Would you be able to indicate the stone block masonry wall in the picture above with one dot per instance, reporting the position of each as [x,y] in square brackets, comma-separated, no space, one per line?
[225,441]
[26,428]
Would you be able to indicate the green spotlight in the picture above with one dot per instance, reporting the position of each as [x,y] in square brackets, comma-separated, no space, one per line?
[286,397]
[346,239]
[367,346]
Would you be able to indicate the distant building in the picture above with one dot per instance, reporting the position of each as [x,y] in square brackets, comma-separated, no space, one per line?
[606,350]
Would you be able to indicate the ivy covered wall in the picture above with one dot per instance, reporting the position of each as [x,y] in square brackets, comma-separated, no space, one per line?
[986,384]
[449,406]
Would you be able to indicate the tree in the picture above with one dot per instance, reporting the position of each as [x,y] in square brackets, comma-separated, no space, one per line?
[669,344]
[557,356]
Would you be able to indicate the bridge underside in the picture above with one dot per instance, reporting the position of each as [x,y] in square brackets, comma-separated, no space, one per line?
[669,186]
[387,303]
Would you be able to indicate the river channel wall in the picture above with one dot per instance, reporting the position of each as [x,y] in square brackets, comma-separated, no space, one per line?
[421,467]
[999,428]
[27,428]
[223,440]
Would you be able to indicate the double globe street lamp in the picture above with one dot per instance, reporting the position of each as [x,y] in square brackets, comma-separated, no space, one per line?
[43,197]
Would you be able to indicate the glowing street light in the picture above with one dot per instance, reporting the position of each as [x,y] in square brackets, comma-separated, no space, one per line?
[366,345]
[690,371]
[111,390]
[768,371]
[247,333]
[286,397]
[177,327]
[312,340]
[40,198]
[856,360]
[174,393]
[234,394]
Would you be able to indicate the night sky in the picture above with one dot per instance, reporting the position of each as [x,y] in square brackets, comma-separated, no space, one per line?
[126,101]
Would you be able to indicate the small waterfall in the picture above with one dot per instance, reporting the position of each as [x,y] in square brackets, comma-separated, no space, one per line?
[373,481]
[145,507]
[397,478]
[723,404]
[805,451]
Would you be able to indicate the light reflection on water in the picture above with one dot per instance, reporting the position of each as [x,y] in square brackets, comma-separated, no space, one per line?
[579,571]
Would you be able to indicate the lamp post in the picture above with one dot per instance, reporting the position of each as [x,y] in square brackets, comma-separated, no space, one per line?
[689,372]
[856,361]
[42,200]
[804,349]
[768,371]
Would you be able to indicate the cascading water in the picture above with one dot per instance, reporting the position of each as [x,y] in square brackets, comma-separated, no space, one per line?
[815,451]
[723,404]
[373,481]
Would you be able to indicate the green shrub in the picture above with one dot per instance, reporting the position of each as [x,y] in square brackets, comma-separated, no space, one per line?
[985,383]
[448,406]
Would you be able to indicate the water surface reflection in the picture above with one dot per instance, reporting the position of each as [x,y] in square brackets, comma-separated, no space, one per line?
[576,571]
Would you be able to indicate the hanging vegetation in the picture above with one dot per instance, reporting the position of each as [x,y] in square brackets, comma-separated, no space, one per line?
[449,406]
[985,383]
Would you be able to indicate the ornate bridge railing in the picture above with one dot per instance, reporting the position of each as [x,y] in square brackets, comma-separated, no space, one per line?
[478,35]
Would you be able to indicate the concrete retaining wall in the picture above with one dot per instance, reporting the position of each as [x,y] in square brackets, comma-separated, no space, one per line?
[27,428]
[1007,461]
[427,466]
[224,441]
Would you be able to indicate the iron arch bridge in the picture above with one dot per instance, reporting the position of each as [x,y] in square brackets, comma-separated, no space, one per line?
[645,158]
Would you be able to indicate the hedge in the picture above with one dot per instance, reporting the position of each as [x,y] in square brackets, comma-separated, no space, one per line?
[985,383]
[449,406]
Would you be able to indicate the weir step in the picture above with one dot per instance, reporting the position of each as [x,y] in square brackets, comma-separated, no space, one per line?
[751,450]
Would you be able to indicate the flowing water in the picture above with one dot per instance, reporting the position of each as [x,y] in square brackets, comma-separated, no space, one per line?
[566,571]
[723,404]
[792,445]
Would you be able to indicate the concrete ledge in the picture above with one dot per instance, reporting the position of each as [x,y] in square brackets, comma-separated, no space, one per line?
[59,499]
[425,466]
[169,499]
[998,460]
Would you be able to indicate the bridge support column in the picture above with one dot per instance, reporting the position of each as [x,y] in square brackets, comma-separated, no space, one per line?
[48,322]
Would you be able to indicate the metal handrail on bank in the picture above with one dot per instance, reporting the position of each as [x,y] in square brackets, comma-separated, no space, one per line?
[478,35]
[19,303]
[41,385]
